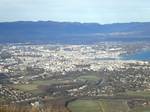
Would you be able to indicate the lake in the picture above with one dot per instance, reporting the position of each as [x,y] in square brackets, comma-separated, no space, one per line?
[142,55]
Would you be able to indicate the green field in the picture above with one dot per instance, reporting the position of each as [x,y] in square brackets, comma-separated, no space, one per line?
[26,87]
[104,106]
[88,77]
[1,99]
[34,86]
[114,106]
[141,109]
[98,106]
[84,106]
[140,93]
[144,94]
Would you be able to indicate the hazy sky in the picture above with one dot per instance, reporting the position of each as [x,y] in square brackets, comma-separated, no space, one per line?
[101,11]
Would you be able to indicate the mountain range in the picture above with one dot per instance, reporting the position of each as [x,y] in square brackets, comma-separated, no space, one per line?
[72,32]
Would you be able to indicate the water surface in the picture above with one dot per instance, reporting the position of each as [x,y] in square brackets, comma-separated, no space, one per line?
[142,55]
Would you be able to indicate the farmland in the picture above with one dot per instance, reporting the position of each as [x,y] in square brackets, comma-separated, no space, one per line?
[99,106]
[105,106]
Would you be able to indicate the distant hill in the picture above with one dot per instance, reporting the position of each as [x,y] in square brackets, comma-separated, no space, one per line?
[67,32]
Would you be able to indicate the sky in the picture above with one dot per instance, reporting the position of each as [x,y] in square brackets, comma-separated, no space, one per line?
[100,11]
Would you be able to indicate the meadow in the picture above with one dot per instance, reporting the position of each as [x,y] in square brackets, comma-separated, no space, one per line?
[99,106]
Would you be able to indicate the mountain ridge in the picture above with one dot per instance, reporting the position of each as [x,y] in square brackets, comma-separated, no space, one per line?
[72,32]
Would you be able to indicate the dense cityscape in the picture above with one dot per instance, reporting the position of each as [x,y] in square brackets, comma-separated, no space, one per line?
[34,74]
